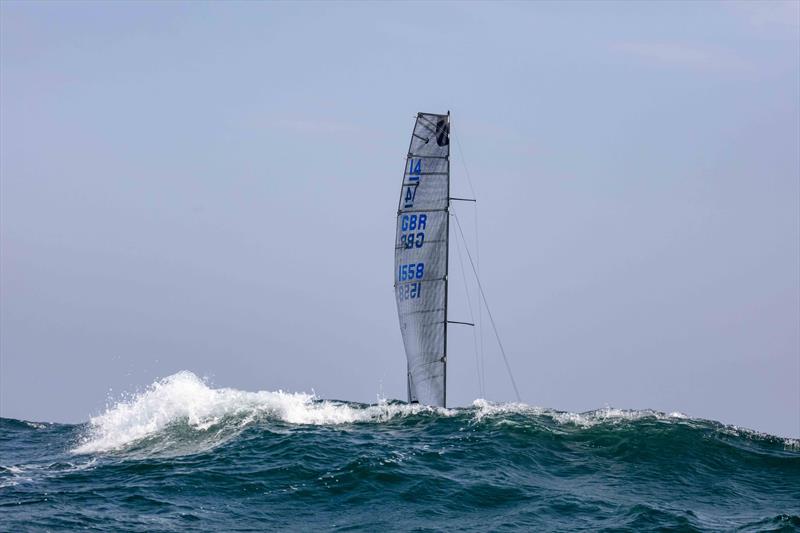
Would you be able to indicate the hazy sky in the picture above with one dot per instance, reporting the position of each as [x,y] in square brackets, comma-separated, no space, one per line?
[213,187]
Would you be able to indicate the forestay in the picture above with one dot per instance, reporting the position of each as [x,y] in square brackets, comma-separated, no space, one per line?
[421,248]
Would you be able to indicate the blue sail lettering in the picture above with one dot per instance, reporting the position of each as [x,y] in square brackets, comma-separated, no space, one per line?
[407,291]
[412,240]
[411,192]
[414,171]
[413,222]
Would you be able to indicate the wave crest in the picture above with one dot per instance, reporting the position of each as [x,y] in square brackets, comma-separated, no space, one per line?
[183,414]
[185,398]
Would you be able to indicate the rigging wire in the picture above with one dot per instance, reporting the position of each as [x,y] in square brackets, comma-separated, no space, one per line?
[481,386]
[488,309]
[463,162]
[479,322]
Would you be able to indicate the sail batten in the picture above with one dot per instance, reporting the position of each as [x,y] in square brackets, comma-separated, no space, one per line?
[421,257]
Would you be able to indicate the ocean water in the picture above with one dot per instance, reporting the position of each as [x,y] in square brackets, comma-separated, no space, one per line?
[184,456]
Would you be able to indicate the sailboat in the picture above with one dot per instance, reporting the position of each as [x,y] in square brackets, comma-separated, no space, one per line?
[421,258]
[421,262]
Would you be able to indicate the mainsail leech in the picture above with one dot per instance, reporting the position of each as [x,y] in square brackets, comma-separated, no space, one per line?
[421,258]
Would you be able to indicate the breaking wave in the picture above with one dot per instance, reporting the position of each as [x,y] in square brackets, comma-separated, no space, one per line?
[185,399]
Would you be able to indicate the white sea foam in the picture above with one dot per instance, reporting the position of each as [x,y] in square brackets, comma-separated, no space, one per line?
[28,473]
[485,408]
[184,397]
[16,475]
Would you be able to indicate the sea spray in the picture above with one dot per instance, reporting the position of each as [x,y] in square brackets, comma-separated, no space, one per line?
[185,399]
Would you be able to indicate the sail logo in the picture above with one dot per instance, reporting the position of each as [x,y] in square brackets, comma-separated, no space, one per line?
[443,132]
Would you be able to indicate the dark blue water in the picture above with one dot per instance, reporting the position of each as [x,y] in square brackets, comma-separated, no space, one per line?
[184,456]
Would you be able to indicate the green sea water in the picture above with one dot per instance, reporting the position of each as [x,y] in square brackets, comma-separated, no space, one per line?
[184,456]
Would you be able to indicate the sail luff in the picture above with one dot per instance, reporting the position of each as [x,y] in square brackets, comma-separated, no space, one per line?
[446,273]
[399,204]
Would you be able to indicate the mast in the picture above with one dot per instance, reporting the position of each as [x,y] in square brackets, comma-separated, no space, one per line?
[446,266]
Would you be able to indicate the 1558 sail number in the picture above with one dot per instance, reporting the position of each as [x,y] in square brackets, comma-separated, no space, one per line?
[410,271]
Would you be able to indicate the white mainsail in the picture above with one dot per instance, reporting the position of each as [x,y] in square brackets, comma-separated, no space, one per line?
[421,253]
